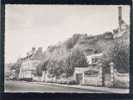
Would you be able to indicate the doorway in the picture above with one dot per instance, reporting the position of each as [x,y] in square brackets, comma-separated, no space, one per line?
[79,78]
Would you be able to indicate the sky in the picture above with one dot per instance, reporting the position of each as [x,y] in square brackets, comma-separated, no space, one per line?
[43,25]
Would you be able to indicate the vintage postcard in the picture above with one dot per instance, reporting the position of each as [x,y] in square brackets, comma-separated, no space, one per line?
[67,48]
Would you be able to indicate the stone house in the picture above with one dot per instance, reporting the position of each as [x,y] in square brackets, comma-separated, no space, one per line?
[28,67]
[91,75]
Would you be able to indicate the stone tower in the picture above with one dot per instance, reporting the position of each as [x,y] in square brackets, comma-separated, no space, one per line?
[120,17]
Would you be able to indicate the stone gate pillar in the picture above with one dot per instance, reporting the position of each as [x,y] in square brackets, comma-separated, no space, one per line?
[83,80]
[43,76]
[111,73]
[101,74]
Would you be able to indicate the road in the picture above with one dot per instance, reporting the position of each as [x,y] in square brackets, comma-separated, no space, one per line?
[23,86]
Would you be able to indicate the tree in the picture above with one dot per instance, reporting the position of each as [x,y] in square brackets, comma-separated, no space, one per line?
[16,66]
[78,58]
[72,41]
[119,54]
[69,68]
[41,67]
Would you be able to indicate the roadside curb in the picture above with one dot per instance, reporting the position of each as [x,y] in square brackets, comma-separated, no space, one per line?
[100,89]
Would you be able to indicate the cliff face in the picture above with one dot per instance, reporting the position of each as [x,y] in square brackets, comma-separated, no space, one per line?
[87,44]
[95,44]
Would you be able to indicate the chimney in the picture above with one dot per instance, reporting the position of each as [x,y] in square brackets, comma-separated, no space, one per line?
[120,17]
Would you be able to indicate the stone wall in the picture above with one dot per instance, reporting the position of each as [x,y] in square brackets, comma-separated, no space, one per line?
[121,79]
[94,79]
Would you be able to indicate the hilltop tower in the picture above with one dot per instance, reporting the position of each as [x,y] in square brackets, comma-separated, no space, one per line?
[122,27]
[120,17]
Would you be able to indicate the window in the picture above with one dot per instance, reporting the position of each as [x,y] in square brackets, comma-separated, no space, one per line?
[94,60]
[91,73]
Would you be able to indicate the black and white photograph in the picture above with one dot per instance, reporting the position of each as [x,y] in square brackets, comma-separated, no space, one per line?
[67,48]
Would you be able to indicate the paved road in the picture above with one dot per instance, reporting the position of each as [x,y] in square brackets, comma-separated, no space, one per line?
[23,86]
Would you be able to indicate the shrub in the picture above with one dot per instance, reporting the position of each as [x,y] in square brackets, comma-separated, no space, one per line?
[121,84]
